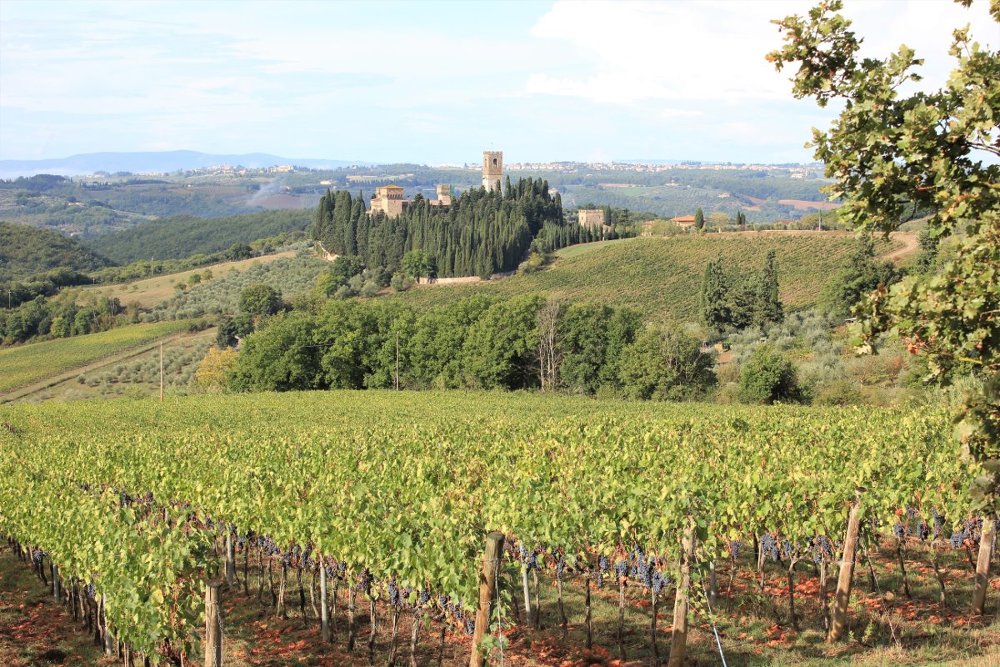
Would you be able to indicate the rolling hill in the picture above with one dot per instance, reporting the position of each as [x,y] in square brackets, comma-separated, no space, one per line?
[177,238]
[661,277]
[26,251]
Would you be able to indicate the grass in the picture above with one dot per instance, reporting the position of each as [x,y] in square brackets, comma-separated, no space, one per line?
[661,277]
[138,376]
[26,364]
[152,291]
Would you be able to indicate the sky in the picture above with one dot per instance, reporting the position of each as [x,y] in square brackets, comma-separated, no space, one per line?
[430,82]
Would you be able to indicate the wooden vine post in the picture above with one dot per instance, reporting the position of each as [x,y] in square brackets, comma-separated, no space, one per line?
[678,637]
[846,576]
[487,589]
[213,624]
[983,565]
[230,560]
[323,609]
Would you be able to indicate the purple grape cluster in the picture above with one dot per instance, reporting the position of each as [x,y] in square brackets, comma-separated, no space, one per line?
[735,546]
[769,546]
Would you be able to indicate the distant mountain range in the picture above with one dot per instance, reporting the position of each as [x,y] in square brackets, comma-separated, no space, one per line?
[166,161]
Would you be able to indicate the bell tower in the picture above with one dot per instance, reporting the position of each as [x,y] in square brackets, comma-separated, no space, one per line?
[492,169]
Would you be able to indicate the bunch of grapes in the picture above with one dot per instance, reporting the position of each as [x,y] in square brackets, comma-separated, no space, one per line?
[602,568]
[529,559]
[786,549]
[898,531]
[822,548]
[90,591]
[424,598]
[658,582]
[394,596]
[735,546]
[470,626]
[769,546]
[621,570]
[364,582]
[37,555]
[957,538]
[923,530]
[938,523]
[560,567]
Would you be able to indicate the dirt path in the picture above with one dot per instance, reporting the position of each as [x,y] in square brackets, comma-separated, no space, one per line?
[911,244]
[51,381]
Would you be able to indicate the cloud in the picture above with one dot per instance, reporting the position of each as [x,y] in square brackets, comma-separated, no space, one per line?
[714,50]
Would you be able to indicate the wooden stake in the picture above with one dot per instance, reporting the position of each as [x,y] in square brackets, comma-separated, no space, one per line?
[230,560]
[678,637]
[324,620]
[983,565]
[213,624]
[487,589]
[846,576]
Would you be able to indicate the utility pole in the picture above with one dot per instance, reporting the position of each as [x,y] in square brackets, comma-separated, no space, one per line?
[161,371]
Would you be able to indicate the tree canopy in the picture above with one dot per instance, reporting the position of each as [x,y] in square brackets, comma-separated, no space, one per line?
[893,157]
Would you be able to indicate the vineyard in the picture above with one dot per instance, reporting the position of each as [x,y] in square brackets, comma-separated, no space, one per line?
[389,497]
[24,364]
[661,278]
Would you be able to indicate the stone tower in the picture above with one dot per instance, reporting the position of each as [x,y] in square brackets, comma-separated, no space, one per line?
[492,169]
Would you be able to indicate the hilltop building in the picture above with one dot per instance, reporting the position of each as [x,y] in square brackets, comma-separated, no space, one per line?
[492,170]
[389,200]
[592,217]
[443,195]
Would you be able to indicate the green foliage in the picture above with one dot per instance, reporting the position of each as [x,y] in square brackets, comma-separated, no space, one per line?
[738,300]
[666,365]
[592,341]
[286,358]
[893,155]
[392,483]
[501,349]
[863,275]
[699,219]
[260,300]
[480,234]
[26,251]
[180,237]
[418,264]
[768,377]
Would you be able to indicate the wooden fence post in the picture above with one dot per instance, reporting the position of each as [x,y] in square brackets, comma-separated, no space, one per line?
[323,613]
[487,589]
[678,637]
[230,560]
[846,575]
[213,624]
[983,565]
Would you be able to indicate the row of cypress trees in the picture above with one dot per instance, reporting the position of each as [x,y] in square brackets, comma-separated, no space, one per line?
[481,233]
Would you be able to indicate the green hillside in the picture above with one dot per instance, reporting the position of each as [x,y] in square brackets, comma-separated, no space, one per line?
[177,238]
[26,251]
[661,277]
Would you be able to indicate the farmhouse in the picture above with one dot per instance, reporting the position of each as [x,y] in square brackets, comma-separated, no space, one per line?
[685,222]
[592,217]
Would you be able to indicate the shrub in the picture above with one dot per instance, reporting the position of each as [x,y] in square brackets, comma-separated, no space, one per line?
[666,365]
[768,377]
